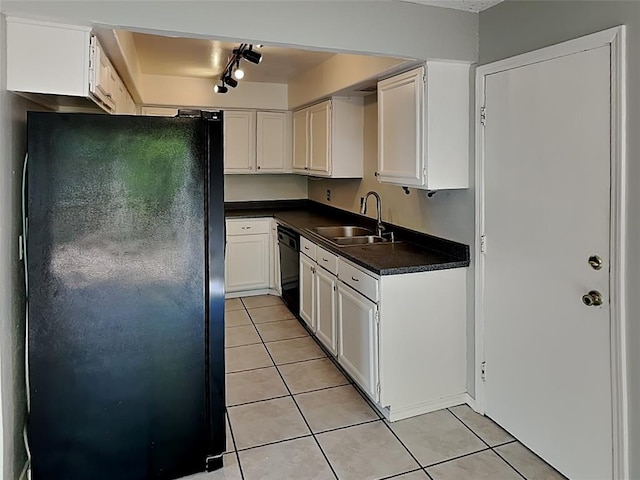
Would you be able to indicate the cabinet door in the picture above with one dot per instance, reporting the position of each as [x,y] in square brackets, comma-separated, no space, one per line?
[320,138]
[104,79]
[247,262]
[358,339]
[300,146]
[239,141]
[400,129]
[307,280]
[325,309]
[273,150]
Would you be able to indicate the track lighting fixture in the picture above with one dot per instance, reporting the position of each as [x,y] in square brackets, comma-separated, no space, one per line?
[220,89]
[230,81]
[252,56]
[232,72]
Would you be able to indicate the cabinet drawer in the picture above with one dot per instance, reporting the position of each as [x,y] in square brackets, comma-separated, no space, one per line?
[308,248]
[358,280]
[248,226]
[327,260]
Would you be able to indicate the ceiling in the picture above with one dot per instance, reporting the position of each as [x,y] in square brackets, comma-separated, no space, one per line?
[193,57]
[468,5]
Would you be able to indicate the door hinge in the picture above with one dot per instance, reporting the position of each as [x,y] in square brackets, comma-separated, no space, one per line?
[483,370]
[424,176]
[483,244]
[483,116]
[21,246]
[378,390]
[377,317]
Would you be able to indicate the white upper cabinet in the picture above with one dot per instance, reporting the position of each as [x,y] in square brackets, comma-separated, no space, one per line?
[239,141]
[257,142]
[47,58]
[423,127]
[62,66]
[273,145]
[328,138]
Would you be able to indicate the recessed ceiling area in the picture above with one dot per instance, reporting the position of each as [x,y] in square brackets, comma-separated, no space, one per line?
[201,58]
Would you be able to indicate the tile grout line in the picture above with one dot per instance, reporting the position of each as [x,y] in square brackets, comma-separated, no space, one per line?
[492,448]
[448,409]
[403,445]
[508,463]
[435,464]
[235,450]
[298,407]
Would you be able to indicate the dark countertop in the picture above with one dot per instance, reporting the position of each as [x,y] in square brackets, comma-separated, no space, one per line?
[412,251]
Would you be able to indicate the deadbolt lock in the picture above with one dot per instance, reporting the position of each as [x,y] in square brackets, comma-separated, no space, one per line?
[592,299]
[595,261]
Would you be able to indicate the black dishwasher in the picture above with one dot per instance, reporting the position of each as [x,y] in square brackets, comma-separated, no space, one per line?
[289,246]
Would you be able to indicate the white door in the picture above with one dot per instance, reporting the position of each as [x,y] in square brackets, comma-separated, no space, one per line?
[272,138]
[325,304]
[358,339]
[247,262]
[239,141]
[546,212]
[307,280]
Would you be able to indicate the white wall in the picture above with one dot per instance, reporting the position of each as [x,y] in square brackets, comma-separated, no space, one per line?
[198,92]
[385,28]
[242,188]
[13,118]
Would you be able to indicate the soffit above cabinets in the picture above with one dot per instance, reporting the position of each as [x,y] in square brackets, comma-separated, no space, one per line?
[202,58]
[467,5]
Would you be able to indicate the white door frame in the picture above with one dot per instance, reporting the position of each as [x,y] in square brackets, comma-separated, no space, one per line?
[615,37]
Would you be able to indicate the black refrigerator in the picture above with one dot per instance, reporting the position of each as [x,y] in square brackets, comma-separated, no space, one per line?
[125,244]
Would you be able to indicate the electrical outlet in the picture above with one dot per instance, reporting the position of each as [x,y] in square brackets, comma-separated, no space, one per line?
[328,194]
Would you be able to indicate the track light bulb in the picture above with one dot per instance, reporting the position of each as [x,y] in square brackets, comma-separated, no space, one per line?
[252,56]
[238,73]
[232,82]
[220,89]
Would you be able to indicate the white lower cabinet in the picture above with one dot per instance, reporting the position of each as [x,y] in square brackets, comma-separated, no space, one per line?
[325,292]
[401,338]
[358,338]
[307,281]
[247,257]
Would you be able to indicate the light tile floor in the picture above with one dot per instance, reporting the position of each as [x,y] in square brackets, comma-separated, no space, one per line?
[294,415]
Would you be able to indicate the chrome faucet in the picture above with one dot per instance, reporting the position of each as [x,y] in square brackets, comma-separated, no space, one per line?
[363,210]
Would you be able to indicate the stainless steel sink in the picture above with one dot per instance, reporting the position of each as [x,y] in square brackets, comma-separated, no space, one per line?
[343,231]
[359,240]
[345,235]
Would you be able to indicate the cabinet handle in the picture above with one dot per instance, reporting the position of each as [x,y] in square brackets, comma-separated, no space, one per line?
[354,279]
[324,259]
[258,167]
[245,228]
[306,248]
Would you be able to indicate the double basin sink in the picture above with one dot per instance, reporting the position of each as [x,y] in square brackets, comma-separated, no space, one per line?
[343,236]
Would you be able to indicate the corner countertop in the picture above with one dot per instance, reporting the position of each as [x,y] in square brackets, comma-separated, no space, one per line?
[412,252]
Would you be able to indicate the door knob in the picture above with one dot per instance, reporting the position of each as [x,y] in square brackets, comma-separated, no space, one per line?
[595,261]
[592,299]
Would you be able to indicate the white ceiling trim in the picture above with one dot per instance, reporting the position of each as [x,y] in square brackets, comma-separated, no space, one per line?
[466,5]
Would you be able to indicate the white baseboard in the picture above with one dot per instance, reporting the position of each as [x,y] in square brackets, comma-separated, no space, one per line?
[252,293]
[394,414]
[470,401]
